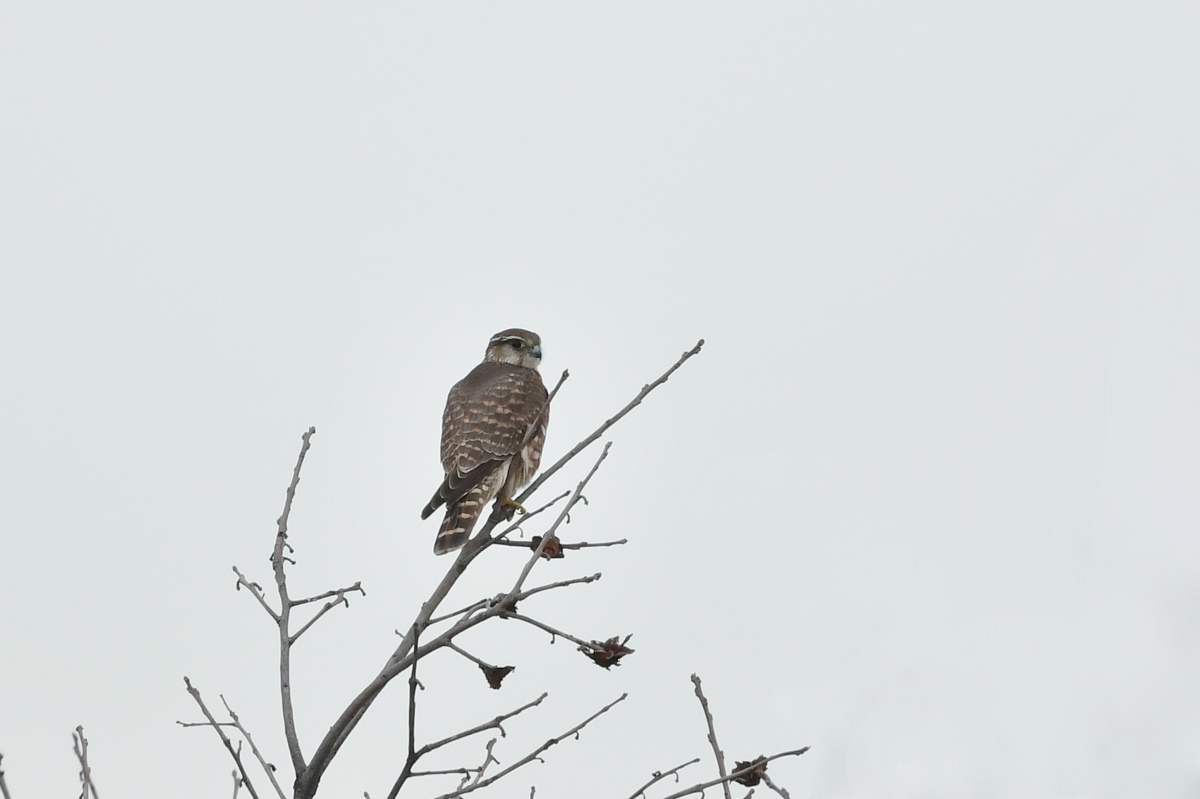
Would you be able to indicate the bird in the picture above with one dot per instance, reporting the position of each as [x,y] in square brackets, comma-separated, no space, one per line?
[485,454]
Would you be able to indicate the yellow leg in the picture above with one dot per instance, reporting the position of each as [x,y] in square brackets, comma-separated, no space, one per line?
[509,502]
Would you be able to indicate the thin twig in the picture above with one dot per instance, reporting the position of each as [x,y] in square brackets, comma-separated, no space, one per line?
[701,786]
[267,767]
[412,708]
[256,591]
[712,737]
[531,431]
[548,628]
[85,773]
[308,779]
[488,759]
[529,758]
[662,775]
[777,789]
[443,771]
[508,542]
[561,516]
[536,484]
[591,578]
[336,592]
[340,593]
[469,656]
[237,758]
[3,785]
[501,605]
[495,724]
[469,609]
[285,612]
[412,754]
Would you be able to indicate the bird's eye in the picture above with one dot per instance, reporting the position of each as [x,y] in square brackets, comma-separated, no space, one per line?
[516,343]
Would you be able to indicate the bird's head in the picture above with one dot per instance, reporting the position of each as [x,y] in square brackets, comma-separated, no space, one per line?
[516,346]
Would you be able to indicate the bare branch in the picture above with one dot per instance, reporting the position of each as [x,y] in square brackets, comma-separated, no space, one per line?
[4,794]
[466,772]
[468,655]
[533,426]
[336,592]
[529,758]
[212,722]
[561,516]
[340,593]
[661,775]
[256,590]
[85,771]
[412,755]
[400,659]
[508,542]
[412,715]
[488,759]
[553,631]
[467,611]
[701,786]
[591,578]
[777,789]
[712,737]
[495,724]
[291,490]
[285,612]
[599,431]
[501,605]
[308,777]
[267,767]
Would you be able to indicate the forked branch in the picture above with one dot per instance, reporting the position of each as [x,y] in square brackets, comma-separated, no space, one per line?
[267,767]
[416,754]
[532,756]
[285,611]
[234,753]
[308,775]
[749,773]
[85,770]
[599,431]
[738,774]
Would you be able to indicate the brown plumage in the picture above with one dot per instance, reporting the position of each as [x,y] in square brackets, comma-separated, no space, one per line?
[487,415]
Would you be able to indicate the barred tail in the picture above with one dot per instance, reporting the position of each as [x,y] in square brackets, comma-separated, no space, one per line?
[460,520]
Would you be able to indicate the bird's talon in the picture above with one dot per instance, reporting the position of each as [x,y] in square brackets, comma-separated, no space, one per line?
[512,503]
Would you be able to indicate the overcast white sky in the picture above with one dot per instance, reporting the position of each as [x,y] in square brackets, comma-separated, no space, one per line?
[928,500]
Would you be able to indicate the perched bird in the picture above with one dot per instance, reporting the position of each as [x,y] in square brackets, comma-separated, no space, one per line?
[488,414]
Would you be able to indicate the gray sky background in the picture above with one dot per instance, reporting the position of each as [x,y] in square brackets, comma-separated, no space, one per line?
[926,502]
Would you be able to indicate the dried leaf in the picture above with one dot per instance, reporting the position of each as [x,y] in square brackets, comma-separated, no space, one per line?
[608,653]
[758,767]
[495,674]
[552,550]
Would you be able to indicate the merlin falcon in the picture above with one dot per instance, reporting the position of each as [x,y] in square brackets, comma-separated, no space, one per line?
[487,416]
